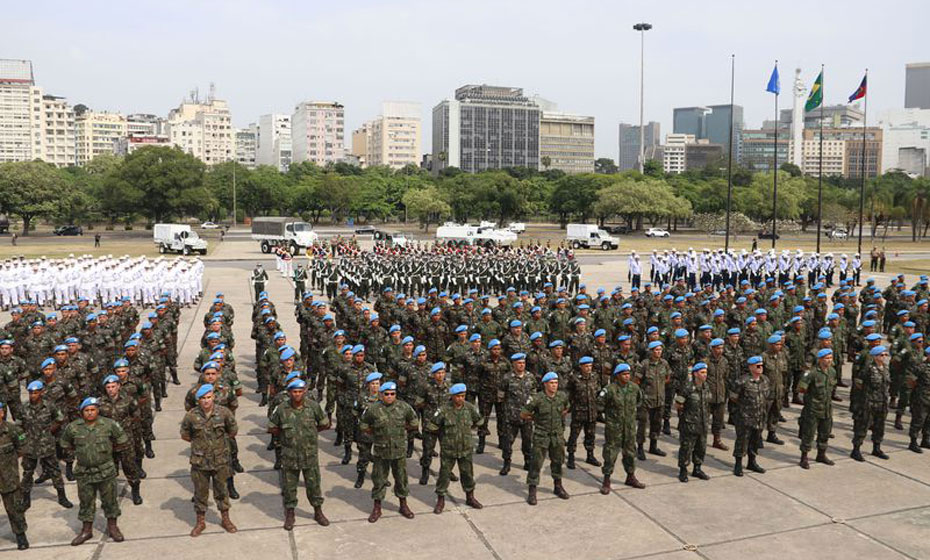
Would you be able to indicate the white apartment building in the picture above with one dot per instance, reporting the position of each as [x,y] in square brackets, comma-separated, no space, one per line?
[58,128]
[394,136]
[203,130]
[246,140]
[674,155]
[273,142]
[834,156]
[97,132]
[21,112]
[318,132]
[906,145]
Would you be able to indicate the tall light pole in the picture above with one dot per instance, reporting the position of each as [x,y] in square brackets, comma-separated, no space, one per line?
[642,27]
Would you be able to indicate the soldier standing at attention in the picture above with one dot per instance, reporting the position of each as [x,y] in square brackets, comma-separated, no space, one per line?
[363,440]
[547,410]
[919,381]
[454,423]
[518,388]
[652,376]
[718,371]
[93,441]
[751,395]
[388,422]
[817,415]
[869,404]
[121,408]
[41,422]
[583,387]
[259,277]
[693,405]
[207,427]
[12,442]
[297,422]
[775,368]
[619,402]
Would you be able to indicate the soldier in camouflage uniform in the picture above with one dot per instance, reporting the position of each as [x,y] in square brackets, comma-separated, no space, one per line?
[775,369]
[491,397]
[430,397]
[619,402]
[122,409]
[41,422]
[518,387]
[680,357]
[817,415]
[869,405]
[547,410]
[12,372]
[141,370]
[297,422]
[12,446]
[751,395]
[718,380]
[225,396]
[583,387]
[652,375]
[362,439]
[693,405]
[920,405]
[453,424]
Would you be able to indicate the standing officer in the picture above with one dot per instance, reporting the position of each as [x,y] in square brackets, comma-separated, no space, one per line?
[583,387]
[388,422]
[122,409]
[432,395]
[297,423]
[652,376]
[919,381]
[93,440]
[619,401]
[718,371]
[41,422]
[207,427]
[751,395]
[259,277]
[547,410]
[817,415]
[518,387]
[12,443]
[693,405]
[363,440]
[300,282]
[870,403]
[453,423]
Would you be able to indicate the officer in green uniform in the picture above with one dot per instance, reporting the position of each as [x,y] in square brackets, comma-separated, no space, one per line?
[297,422]
[41,422]
[208,427]
[869,404]
[693,405]
[388,422]
[919,382]
[94,440]
[751,395]
[121,408]
[652,376]
[432,395]
[518,388]
[12,442]
[583,386]
[454,423]
[817,415]
[12,371]
[363,440]
[619,402]
[547,410]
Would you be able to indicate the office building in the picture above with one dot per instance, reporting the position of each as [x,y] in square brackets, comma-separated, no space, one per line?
[834,116]
[834,156]
[21,112]
[689,120]
[711,123]
[359,147]
[203,129]
[486,127]
[126,145]
[906,141]
[629,144]
[758,148]
[852,146]
[917,86]
[58,129]
[246,140]
[566,142]
[273,143]
[684,152]
[392,139]
[96,133]
[318,132]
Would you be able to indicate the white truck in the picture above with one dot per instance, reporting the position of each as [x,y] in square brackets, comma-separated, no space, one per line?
[452,233]
[270,231]
[589,236]
[178,238]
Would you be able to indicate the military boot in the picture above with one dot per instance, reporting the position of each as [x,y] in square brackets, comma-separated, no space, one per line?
[805,462]
[822,458]
[754,466]
[683,474]
[898,425]
[227,523]
[360,480]
[877,451]
[264,401]
[142,473]
[375,512]
[231,489]
[633,482]
[856,454]
[157,403]
[164,391]
[531,496]
[718,443]
[338,441]
[149,452]
[471,501]
[347,457]
[174,376]
[69,471]
[698,472]
[505,470]
[63,500]
[640,452]
[22,543]
[738,467]
[570,463]
[666,427]
[113,530]
[404,509]
[136,495]
[925,441]
[45,476]
[774,439]
[87,531]
[796,398]
[440,504]
[591,459]
[320,517]
[480,448]
[654,448]
[424,476]
[237,466]
[288,519]
[559,490]
[605,486]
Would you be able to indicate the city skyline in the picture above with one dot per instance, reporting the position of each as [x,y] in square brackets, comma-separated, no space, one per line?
[162,57]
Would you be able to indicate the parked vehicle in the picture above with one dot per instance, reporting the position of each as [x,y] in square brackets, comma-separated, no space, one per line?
[589,236]
[365,230]
[516,227]
[178,238]
[838,233]
[209,225]
[767,235]
[616,228]
[657,232]
[69,230]
[488,236]
[390,237]
[296,234]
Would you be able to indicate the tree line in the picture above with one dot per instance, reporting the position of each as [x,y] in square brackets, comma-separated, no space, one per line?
[158,184]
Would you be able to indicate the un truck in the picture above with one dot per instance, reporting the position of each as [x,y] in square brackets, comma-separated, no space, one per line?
[269,231]
[178,238]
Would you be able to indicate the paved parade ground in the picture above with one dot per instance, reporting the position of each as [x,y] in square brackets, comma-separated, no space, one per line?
[877,509]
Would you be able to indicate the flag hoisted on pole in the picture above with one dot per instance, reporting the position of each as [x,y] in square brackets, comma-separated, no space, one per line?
[860,93]
[814,100]
[774,86]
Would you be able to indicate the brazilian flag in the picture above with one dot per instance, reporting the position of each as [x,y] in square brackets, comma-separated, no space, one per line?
[816,96]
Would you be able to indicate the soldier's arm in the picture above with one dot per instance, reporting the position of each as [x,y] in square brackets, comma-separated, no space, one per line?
[119,437]
[232,428]
[476,418]
[322,421]
[410,417]
[526,413]
[186,429]
[274,423]
[19,439]
[67,439]
[365,423]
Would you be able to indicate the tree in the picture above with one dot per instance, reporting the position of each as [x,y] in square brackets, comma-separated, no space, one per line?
[30,189]
[605,166]
[637,199]
[790,169]
[653,168]
[169,183]
[426,205]
[576,195]
[546,162]
[262,191]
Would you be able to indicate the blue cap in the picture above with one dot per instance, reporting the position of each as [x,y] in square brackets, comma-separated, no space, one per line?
[824,334]
[761,311]
[457,389]
[515,323]
[437,366]
[518,356]
[716,342]
[681,333]
[416,351]
[60,348]
[824,352]
[878,350]
[389,386]
[122,362]
[718,312]
[72,340]
[291,376]
[704,328]
[902,312]
[214,335]
[535,335]
[910,324]
[916,336]
[600,332]
[47,362]
[556,343]
[435,311]
[279,335]
[328,317]
[217,356]
[674,315]
[7,342]
[652,329]
[297,384]
[873,336]
[287,354]
[494,342]
[551,376]
[585,360]
[794,319]
[358,348]
[868,323]
[209,365]
[623,337]
[130,343]
[110,379]
[774,339]
[407,340]
[458,329]
[373,376]
[89,401]
[35,386]
[750,320]
[621,368]
[474,337]
[754,360]
[832,316]
[654,344]
[204,389]
[698,366]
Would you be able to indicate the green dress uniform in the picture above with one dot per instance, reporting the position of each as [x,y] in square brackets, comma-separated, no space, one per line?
[12,444]
[817,415]
[548,416]
[454,427]
[388,425]
[299,428]
[93,445]
[620,404]
[208,434]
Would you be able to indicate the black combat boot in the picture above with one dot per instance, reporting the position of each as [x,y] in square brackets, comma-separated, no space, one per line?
[136,496]
[640,452]
[69,471]
[531,496]
[338,441]
[754,466]
[480,448]
[174,376]
[654,448]
[738,467]
[877,451]
[22,543]
[570,463]
[805,462]
[505,470]
[666,427]
[157,403]
[683,474]
[856,454]
[440,504]
[231,488]
[559,490]
[264,401]
[898,425]
[925,441]
[774,439]
[409,447]
[347,458]
[822,458]
[591,459]
[424,477]
[63,500]
[360,480]
[149,452]
[697,472]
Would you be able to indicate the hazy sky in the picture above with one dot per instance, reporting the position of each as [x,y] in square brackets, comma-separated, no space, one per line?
[145,56]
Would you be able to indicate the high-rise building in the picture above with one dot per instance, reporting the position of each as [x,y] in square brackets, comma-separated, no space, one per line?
[851,142]
[21,112]
[711,123]
[834,116]
[486,127]
[683,152]
[58,141]
[758,148]
[273,144]
[906,141]
[246,140]
[203,129]
[142,124]
[917,86]
[834,156]
[629,144]
[689,120]
[97,132]
[566,142]
[318,132]
[392,139]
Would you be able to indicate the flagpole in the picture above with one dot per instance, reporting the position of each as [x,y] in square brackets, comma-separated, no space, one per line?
[775,168]
[820,175]
[726,244]
[865,117]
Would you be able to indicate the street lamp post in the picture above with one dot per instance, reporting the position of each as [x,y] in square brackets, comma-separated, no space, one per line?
[642,28]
